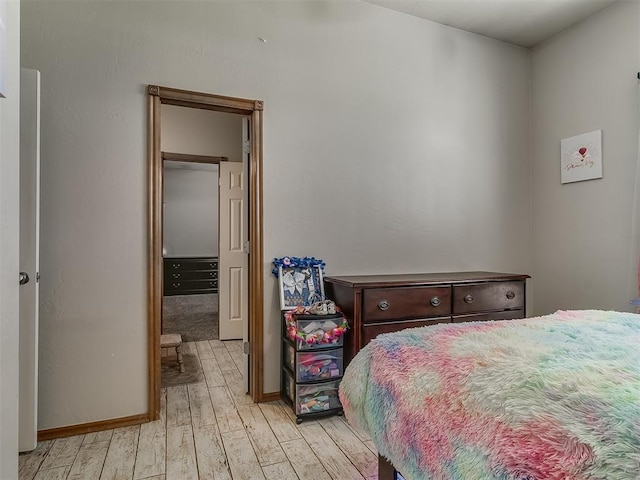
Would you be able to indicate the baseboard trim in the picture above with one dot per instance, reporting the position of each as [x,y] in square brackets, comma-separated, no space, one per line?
[270,397]
[83,428]
[91,427]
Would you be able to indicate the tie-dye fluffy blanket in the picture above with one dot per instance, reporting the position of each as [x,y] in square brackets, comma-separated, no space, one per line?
[552,397]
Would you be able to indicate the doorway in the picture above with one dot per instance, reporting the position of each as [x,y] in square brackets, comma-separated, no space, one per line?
[252,109]
[196,147]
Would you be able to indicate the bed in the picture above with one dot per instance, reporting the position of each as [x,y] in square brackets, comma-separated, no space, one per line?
[551,397]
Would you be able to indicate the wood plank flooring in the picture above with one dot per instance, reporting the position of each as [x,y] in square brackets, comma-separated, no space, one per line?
[211,431]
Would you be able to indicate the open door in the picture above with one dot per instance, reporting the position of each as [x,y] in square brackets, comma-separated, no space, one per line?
[232,261]
[29,256]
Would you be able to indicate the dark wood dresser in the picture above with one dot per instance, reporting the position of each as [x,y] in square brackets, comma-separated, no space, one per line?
[375,304]
[190,275]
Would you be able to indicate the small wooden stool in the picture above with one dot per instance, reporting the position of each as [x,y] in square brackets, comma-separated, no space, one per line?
[173,340]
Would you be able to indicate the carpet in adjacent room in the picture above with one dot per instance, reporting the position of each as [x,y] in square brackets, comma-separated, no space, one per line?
[195,317]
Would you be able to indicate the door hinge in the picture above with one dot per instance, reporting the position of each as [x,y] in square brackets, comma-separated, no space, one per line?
[246,348]
[246,147]
[246,246]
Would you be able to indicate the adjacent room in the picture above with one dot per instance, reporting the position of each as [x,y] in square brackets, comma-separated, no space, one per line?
[384,137]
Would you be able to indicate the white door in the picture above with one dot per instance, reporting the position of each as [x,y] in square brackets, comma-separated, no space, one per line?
[29,256]
[232,274]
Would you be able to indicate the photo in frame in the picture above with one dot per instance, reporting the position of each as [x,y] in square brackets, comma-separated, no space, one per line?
[300,285]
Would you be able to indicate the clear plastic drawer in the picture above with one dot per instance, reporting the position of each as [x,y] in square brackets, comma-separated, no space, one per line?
[314,332]
[316,398]
[320,365]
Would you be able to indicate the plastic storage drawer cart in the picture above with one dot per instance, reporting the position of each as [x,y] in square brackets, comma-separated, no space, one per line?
[312,364]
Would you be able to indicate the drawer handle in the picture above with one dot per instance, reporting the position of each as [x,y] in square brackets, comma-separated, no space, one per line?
[511,295]
[176,275]
[175,284]
[176,265]
[435,301]
[383,305]
[468,299]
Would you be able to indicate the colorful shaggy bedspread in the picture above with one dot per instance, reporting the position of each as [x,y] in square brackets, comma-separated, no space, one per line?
[551,397]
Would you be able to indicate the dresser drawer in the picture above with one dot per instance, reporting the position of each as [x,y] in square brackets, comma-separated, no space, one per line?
[192,284]
[170,276]
[189,264]
[479,297]
[372,330]
[483,317]
[388,304]
[186,287]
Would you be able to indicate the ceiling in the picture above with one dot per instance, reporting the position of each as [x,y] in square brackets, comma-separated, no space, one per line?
[521,22]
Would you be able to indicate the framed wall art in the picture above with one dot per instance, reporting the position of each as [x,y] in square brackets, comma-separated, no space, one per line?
[581,157]
[300,281]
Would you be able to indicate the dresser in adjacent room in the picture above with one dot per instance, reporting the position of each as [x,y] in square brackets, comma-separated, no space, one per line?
[190,275]
[375,304]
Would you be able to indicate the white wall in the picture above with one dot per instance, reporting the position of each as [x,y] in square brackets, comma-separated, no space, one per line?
[190,220]
[190,223]
[201,132]
[391,144]
[9,228]
[583,80]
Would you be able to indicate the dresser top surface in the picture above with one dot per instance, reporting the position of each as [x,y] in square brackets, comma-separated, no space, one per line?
[409,279]
[190,257]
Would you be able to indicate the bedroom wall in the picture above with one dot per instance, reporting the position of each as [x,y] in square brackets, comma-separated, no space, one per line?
[190,223]
[9,228]
[391,144]
[583,80]
[201,132]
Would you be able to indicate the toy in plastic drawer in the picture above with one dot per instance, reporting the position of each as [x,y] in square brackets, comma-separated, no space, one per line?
[314,366]
[316,331]
[318,398]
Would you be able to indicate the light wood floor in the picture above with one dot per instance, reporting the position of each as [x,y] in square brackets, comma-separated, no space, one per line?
[210,430]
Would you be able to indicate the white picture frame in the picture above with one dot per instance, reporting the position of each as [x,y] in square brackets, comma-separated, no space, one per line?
[300,286]
[581,157]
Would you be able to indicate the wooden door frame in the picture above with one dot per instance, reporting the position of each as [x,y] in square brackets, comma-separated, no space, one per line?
[253,108]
